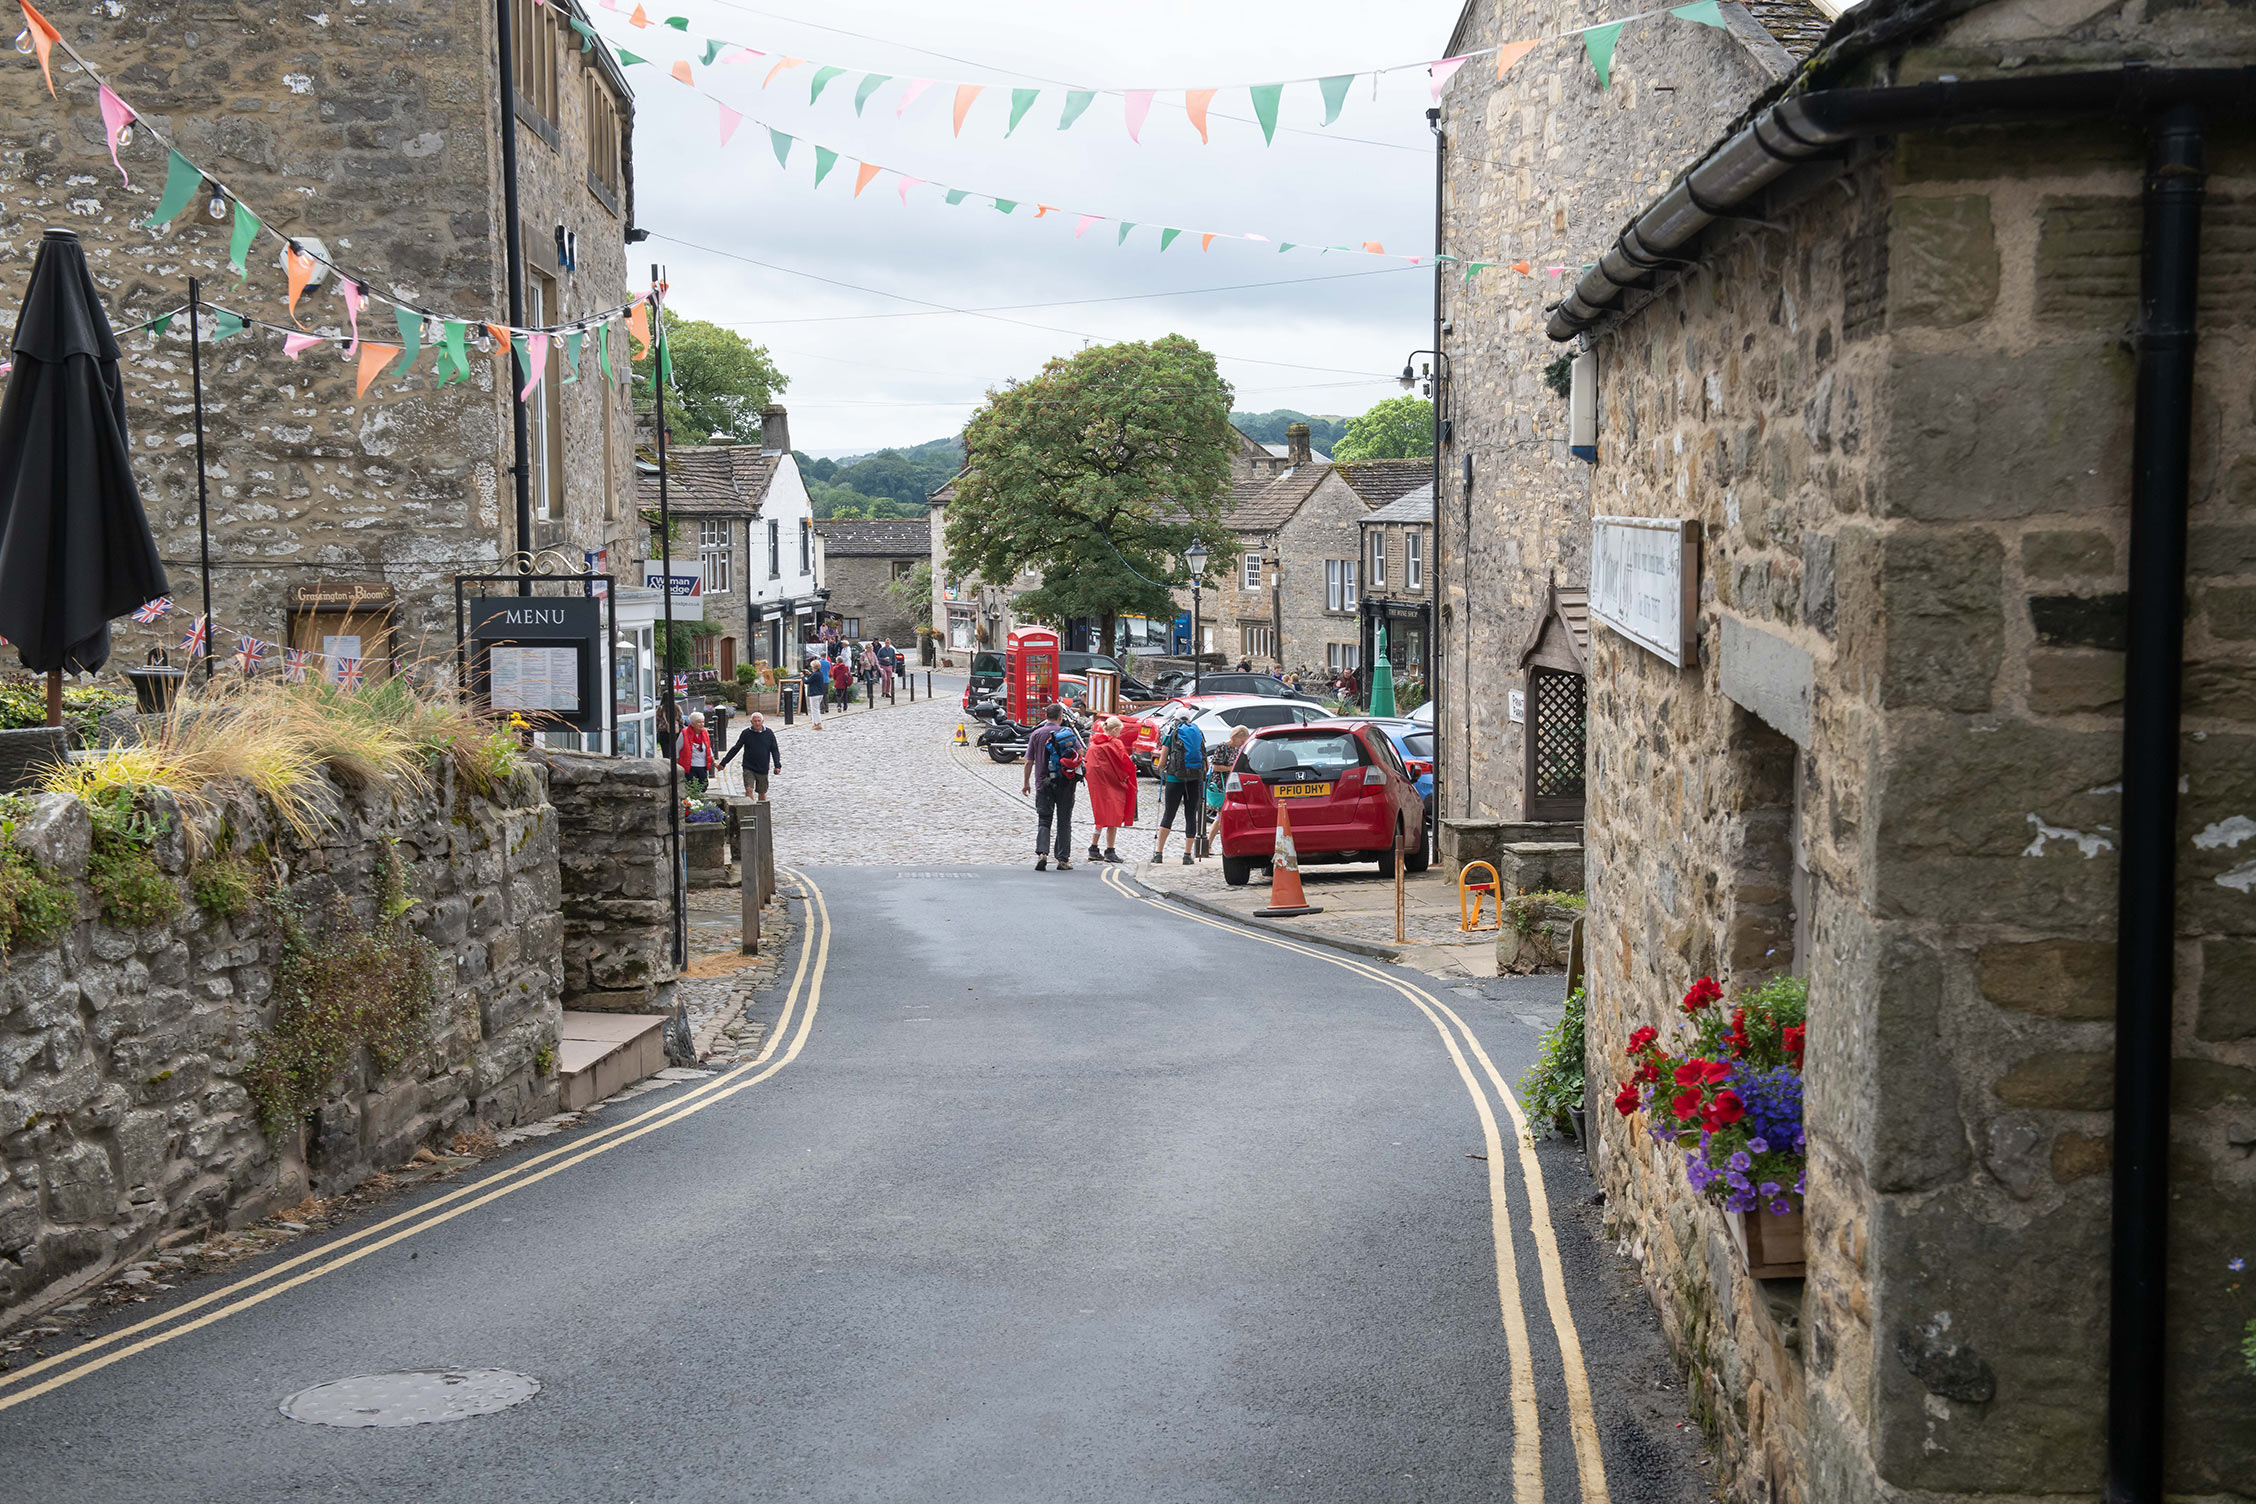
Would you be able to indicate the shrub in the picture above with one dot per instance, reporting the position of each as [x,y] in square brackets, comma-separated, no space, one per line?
[34,906]
[748,673]
[1554,1083]
[23,705]
[121,868]
[225,885]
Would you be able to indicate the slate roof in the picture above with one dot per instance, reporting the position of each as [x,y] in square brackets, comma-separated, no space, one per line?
[1263,506]
[875,538]
[1381,481]
[708,478]
[1411,506]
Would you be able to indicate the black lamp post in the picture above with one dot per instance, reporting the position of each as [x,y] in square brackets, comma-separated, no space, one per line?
[1195,556]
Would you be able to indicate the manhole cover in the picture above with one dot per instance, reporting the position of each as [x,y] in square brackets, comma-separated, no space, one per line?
[421,1397]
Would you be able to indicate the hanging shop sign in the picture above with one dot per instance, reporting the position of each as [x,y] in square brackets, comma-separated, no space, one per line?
[1645,582]
[683,584]
[539,656]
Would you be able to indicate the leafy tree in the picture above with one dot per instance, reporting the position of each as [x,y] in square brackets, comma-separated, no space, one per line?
[1098,472]
[1400,428]
[913,591]
[719,383]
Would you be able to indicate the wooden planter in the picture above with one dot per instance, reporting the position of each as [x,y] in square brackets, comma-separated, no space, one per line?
[1770,1245]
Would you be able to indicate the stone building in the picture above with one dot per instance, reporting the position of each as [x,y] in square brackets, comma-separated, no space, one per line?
[372,135]
[1398,587]
[969,615]
[1541,166]
[1861,710]
[864,559]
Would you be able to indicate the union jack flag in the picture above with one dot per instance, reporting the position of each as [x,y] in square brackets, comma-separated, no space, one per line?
[681,684]
[348,673]
[153,610]
[198,635]
[294,665]
[248,652]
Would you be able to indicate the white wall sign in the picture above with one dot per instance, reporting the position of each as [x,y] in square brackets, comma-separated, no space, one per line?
[1645,581]
[1515,706]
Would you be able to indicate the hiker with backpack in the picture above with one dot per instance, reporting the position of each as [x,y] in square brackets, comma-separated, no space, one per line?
[1053,754]
[1182,772]
[1111,772]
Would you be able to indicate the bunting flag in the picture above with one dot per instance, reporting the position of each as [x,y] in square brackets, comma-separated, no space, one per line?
[906,184]
[639,18]
[199,632]
[638,325]
[1081,225]
[534,350]
[572,343]
[1508,55]
[294,665]
[1076,101]
[227,325]
[455,339]
[957,196]
[1704,13]
[299,268]
[239,244]
[1022,100]
[117,121]
[965,94]
[781,64]
[1441,72]
[43,39]
[1335,94]
[781,145]
[154,609]
[1265,97]
[1005,205]
[347,672]
[1598,43]
[628,59]
[908,96]
[730,120]
[373,359]
[354,301]
[295,345]
[680,70]
[822,78]
[1125,226]
[181,181]
[870,84]
[1195,102]
[1167,238]
[1139,103]
[248,652]
[603,354]
[825,160]
[713,46]
[1206,241]
[862,176]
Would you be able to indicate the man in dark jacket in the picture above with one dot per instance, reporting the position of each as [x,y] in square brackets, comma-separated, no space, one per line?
[761,754]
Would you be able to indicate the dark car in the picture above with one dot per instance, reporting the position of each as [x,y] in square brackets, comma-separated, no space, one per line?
[986,677]
[1231,682]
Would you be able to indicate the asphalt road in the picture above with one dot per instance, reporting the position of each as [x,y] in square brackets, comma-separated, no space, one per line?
[1046,1192]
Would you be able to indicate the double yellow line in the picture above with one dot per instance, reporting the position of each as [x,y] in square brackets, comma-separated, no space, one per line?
[237,1296]
[1582,1423]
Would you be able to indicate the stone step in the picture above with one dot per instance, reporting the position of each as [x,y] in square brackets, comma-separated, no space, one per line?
[601,1053]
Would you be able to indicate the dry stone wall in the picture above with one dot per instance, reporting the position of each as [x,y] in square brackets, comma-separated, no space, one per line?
[616,900]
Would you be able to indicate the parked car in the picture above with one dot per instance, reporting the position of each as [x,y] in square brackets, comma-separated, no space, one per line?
[1216,716]
[986,678]
[1231,682]
[1415,743]
[1352,799]
[1423,715]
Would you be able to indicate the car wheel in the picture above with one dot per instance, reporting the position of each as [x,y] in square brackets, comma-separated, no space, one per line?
[1236,870]
[1386,861]
[997,752]
[1418,857]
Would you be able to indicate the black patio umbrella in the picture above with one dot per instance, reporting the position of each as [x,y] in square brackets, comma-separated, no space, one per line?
[75,547]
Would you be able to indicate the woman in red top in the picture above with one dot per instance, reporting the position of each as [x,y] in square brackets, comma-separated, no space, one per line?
[695,754]
[841,680]
[1111,774]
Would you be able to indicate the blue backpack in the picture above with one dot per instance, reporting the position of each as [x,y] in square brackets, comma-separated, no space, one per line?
[1062,753]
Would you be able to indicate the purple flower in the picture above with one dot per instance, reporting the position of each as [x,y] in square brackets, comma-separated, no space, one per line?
[1769,1189]
[1740,1161]
[1781,1207]
[1758,1145]
[2237,1265]
[1740,1201]
[1801,1184]
[1738,1180]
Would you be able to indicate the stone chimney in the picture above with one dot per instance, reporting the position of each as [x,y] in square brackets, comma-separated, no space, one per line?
[775,430]
[1296,444]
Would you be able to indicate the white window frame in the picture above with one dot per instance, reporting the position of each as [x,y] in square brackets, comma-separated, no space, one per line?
[806,546]
[1347,574]
[1413,566]
[1378,558]
[1251,578]
[713,554]
[1331,584]
[775,549]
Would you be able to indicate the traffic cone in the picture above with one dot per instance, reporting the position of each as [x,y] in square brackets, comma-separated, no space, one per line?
[1285,897]
[961,739]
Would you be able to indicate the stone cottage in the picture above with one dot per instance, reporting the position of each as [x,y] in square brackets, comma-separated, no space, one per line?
[1920,667]
[864,560]
[1398,586]
[1541,165]
[372,134]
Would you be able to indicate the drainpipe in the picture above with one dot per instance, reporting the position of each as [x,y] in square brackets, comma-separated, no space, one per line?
[2146,898]
[1442,782]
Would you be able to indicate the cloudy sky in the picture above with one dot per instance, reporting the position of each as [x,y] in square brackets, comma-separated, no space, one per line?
[841,289]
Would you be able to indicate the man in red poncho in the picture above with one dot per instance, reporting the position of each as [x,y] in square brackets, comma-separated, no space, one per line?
[1111,773]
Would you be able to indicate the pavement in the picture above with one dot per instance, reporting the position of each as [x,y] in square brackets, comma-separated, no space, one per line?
[1021,1187]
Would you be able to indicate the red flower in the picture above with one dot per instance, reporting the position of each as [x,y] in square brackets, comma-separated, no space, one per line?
[1642,1038]
[1712,1071]
[1649,1071]
[1627,1100]
[1793,1036]
[1736,1036]
[1686,1105]
[1703,992]
[1725,1110]
[1691,1073]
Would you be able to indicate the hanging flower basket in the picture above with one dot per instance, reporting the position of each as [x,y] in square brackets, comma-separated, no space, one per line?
[1727,1090]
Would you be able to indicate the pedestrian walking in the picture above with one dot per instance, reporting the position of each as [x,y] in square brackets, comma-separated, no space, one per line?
[888,664]
[1053,754]
[869,672]
[695,756]
[669,725]
[1218,765]
[1182,773]
[1112,790]
[762,755]
[818,689]
[841,683]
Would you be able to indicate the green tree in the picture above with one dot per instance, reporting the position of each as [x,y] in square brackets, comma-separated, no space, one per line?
[1098,472]
[719,382]
[1400,428]
[913,591]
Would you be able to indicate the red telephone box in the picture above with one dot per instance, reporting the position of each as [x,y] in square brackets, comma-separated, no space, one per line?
[1030,660]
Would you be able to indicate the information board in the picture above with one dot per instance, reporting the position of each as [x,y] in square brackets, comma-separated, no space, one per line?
[530,679]
[540,656]
[1645,582]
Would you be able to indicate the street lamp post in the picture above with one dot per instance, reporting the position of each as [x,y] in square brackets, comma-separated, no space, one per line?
[1195,556]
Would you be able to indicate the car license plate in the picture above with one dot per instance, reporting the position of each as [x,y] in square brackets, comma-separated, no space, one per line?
[1303,790]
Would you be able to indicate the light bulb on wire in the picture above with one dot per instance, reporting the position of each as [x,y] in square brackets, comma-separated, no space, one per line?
[217,208]
[23,40]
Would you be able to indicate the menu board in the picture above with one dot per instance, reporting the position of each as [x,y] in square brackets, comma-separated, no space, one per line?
[533,678]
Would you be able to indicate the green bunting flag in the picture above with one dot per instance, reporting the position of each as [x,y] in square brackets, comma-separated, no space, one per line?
[1125,226]
[1475,269]
[1284,246]
[456,334]
[870,84]
[572,355]
[411,336]
[665,355]
[1005,205]
[181,178]
[159,324]
[823,76]
[782,145]
[1076,100]
[1265,98]
[522,346]
[239,246]
[825,160]
[1335,94]
[957,195]
[227,325]
[1022,100]
[628,59]
[603,353]
[1705,12]
[1598,42]
[678,23]
[713,48]
[1167,238]
[587,33]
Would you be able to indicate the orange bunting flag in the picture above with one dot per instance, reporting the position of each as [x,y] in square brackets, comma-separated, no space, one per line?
[299,266]
[862,176]
[373,359]
[1523,268]
[500,333]
[638,325]
[1195,101]
[639,18]
[1374,247]
[1206,242]
[965,94]
[44,36]
[681,71]
[789,62]
[1511,53]
[1042,209]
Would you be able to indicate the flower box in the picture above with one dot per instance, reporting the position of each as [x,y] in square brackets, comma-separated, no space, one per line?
[1770,1243]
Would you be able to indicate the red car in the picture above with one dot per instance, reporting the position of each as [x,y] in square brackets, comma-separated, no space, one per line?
[1352,799]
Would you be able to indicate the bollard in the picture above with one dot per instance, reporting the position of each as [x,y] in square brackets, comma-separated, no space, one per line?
[786,698]
[763,825]
[748,890]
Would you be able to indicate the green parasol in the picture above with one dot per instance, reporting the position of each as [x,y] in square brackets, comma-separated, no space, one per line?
[1382,674]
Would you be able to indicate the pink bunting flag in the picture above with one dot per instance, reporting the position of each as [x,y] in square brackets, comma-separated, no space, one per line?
[742,55]
[916,86]
[1440,72]
[116,115]
[730,120]
[294,345]
[906,185]
[355,300]
[1081,225]
[1139,105]
[536,356]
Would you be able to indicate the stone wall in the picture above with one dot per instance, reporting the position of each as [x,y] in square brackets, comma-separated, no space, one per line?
[1543,166]
[124,1120]
[857,589]
[616,901]
[372,129]
[1903,423]
[1328,525]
